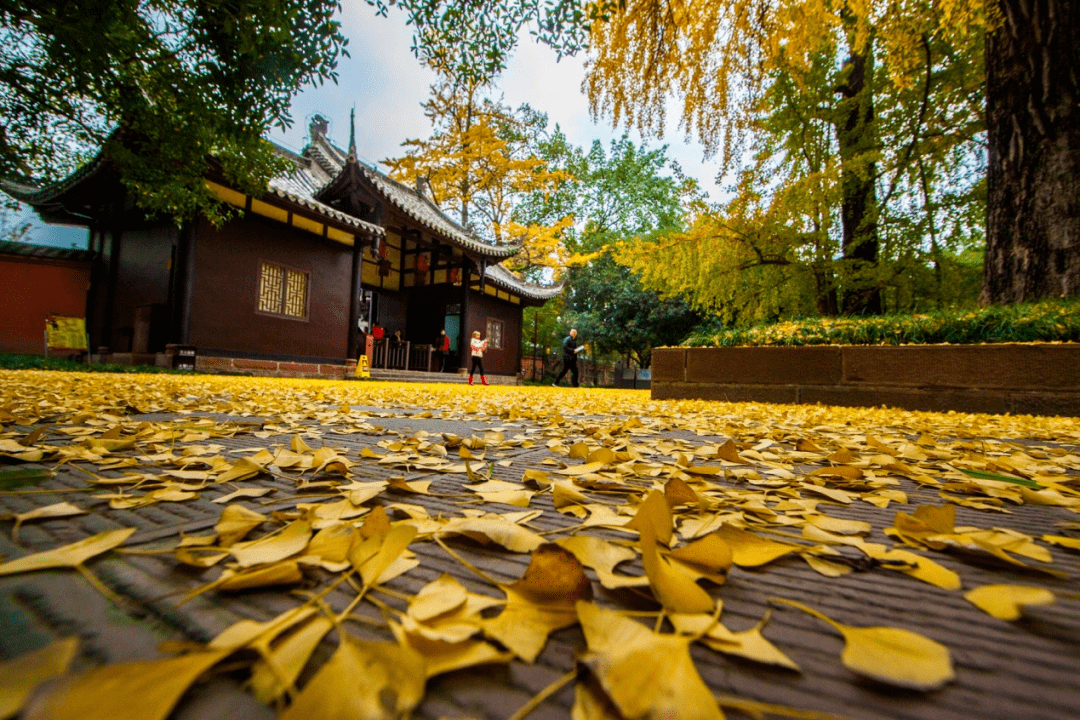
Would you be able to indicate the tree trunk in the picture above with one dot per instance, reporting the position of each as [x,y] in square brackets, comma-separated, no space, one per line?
[859,206]
[1033,175]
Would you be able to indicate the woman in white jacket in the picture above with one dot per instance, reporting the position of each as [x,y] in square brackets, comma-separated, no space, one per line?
[477,346]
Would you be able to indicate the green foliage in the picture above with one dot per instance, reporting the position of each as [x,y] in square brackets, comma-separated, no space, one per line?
[1047,321]
[617,195]
[160,86]
[38,362]
[474,39]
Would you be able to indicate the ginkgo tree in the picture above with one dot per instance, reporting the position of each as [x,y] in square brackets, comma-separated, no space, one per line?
[479,165]
[1032,47]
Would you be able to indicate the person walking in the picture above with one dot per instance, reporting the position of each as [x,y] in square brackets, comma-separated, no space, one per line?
[477,347]
[442,348]
[570,350]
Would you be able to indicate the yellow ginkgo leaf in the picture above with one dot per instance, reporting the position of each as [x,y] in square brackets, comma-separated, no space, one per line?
[19,676]
[494,528]
[1062,541]
[1007,602]
[56,510]
[242,469]
[839,526]
[390,549]
[828,568]
[68,555]
[750,550]
[655,513]
[749,644]
[362,681]
[272,548]
[235,522]
[133,691]
[541,602]
[438,597]
[675,590]
[709,552]
[644,675]
[442,656]
[890,655]
[277,671]
[917,566]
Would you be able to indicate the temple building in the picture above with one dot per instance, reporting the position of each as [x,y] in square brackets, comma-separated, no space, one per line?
[334,253]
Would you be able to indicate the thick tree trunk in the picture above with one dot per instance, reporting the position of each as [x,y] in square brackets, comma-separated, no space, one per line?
[1033,177]
[859,208]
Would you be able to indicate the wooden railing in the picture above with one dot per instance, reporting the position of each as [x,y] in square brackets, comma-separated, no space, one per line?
[389,354]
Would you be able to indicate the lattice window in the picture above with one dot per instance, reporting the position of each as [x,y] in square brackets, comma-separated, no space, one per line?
[494,334]
[296,293]
[283,291]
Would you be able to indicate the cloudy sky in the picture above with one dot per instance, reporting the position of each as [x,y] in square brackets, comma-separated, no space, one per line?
[386,84]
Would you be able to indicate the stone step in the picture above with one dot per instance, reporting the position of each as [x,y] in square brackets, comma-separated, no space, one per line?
[434,377]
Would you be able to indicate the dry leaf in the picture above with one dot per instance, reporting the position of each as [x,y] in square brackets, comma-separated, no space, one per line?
[362,681]
[750,550]
[133,691]
[56,510]
[277,671]
[68,555]
[19,676]
[644,675]
[1007,602]
[890,655]
[269,549]
[673,588]
[542,601]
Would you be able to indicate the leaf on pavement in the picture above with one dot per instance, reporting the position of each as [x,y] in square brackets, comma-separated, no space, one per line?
[644,675]
[890,655]
[68,555]
[1007,602]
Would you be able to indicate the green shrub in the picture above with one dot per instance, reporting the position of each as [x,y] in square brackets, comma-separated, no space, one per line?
[38,362]
[1045,321]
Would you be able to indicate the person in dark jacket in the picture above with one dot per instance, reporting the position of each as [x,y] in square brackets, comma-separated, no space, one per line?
[570,350]
[442,349]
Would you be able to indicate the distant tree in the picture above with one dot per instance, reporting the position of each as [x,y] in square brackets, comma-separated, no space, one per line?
[160,86]
[618,196]
[479,164]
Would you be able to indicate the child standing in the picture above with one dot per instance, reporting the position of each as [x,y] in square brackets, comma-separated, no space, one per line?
[477,346]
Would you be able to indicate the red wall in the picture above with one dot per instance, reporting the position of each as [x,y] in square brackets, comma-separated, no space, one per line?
[31,289]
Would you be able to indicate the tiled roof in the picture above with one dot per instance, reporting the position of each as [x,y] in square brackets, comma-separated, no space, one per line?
[37,195]
[500,276]
[321,161]
[289,191]
[24,249]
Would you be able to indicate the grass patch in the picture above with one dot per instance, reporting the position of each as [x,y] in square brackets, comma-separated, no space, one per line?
[37,362]
[1045,321]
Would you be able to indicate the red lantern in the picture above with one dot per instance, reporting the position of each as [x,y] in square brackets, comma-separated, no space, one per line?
[422,263]
[455,275]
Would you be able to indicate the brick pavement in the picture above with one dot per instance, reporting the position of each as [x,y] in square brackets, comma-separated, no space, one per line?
[1029,669]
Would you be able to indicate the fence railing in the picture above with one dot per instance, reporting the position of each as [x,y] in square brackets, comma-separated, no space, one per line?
[389,354]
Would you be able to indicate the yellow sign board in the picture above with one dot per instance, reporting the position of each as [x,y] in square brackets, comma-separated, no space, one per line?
[65,333]
[363,370]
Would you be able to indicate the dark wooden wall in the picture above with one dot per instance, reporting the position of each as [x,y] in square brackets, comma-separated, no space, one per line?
[225,295]
[506,361]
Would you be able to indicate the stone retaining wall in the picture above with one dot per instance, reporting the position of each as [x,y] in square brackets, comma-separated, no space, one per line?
[273,368]
[1032,379]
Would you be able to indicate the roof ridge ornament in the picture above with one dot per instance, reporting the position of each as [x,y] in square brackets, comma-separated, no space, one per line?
[352,135]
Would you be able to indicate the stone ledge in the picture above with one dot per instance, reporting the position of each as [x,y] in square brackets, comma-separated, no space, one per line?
[1032,379]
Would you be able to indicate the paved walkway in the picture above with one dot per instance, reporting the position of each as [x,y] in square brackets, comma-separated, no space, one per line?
[1026,669]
